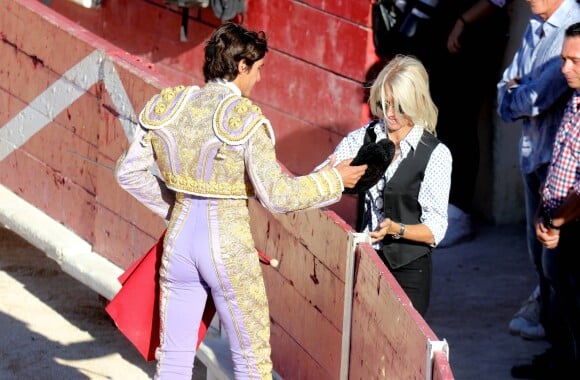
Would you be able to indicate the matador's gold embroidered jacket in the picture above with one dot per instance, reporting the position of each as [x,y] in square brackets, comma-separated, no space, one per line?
[215,143]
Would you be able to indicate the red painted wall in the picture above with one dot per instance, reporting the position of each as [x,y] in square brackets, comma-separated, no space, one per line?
[312,88]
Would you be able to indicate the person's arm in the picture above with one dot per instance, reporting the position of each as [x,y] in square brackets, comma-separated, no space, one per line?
[279,192]
[569,211]
[479,10]
[509,80]
[548,237]
[532,93]
[537,92]
[133,173]
[413,232]
[434,193]
[561,192]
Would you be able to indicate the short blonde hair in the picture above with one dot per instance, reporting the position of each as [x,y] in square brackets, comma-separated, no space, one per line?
[407,81]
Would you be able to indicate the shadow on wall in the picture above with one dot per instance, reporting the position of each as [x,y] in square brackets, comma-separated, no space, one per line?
[302,150]
[304,147]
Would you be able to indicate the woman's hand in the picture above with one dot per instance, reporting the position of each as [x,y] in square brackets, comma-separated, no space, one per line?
[349,174]
[382,231]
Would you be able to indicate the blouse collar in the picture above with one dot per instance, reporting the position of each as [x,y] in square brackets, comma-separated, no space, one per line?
[414,136]
[411,140]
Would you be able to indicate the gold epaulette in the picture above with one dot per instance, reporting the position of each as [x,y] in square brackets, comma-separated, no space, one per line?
[237,118]
[164,107]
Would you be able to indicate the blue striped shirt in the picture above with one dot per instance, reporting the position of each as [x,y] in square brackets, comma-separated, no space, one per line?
[540,97]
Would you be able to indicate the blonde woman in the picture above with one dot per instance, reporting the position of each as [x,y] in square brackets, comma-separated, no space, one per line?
[405,212]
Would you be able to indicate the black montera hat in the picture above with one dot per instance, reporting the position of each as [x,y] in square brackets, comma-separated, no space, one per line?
[378,157]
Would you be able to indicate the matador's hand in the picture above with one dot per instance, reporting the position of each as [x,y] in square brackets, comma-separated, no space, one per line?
[349,174]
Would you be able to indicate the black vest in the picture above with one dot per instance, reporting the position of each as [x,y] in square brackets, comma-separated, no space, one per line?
[401,204]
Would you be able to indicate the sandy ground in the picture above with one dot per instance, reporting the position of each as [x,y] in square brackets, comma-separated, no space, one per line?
[53,327]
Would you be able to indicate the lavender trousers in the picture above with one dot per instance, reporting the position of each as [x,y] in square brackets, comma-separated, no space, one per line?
[194,265]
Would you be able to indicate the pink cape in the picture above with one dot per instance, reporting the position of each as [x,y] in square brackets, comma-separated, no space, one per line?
[135,308]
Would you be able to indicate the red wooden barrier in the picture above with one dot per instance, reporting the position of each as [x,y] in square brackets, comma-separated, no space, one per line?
[70,99]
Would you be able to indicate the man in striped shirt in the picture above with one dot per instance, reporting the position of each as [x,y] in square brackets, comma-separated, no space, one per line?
[533,90]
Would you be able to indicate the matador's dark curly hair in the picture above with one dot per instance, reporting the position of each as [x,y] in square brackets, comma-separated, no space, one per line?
[227,46]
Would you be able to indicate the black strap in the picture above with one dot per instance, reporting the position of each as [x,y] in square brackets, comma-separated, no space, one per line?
[370,136]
